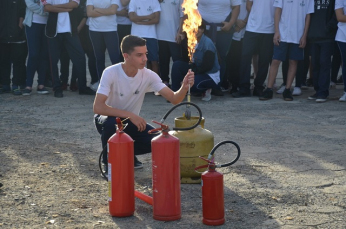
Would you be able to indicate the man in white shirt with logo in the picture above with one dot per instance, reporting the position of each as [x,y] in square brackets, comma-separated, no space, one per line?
[121,93]
[292,20]
[145,14]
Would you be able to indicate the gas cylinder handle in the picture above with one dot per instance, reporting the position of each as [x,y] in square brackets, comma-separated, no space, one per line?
[120,125]
[181,104]
[222,143]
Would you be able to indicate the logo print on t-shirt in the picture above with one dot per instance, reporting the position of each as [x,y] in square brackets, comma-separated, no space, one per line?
[302,3]
[150,9]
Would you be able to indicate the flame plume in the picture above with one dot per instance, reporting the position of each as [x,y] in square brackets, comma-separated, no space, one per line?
[191,24]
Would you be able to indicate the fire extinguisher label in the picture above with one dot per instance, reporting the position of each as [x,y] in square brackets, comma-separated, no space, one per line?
[109,182]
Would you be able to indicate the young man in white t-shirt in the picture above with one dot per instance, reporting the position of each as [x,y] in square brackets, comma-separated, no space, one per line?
[61,30]
[145,14]
[121,93]
[258,37]
[292,19]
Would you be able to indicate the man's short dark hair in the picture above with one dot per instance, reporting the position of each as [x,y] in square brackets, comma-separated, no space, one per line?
[129,43]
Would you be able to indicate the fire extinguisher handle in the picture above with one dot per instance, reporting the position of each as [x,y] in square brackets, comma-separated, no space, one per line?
[222,143]
[181,104]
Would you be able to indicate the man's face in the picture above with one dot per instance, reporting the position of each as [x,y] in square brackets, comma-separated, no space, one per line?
[138,57]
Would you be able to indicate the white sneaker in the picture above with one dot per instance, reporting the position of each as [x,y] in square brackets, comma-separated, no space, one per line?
[343,98]
[281,90]
[95,86]
[207,95]
[297,91]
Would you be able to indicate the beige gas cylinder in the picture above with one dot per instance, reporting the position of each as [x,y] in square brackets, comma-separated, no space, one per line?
[193,143]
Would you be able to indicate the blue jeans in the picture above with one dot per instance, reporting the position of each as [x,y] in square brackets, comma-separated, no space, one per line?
[38,53]
[166,51]
[105,125]
[202,83]
[321,54]
[76,53]
[342,47]
[102,41]
[252,42]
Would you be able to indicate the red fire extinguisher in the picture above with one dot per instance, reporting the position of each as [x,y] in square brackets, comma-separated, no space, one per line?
[212,188]
[121,173]
[165,175]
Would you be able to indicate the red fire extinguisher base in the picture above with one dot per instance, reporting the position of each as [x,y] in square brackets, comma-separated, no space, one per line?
[121,215]
[214,222]
[167,218]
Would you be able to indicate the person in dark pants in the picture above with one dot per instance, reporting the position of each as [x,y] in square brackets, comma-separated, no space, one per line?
[258,38]
[13,47]
[121,93]
[124,23]
[322,46]
[62,30]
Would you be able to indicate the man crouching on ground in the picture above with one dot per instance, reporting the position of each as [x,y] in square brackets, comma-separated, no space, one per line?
[121,94]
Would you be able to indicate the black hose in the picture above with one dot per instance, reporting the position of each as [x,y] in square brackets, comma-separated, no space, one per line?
[222,143]
[178,105]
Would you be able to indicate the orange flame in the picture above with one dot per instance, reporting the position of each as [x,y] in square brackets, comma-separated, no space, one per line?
[191,24]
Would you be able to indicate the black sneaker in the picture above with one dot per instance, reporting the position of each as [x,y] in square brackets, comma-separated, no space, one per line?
[26,91]
[42,91]
[267,94]
[138,164]
[312,97]
[58,93]
[87,91]
[257,92]
[241,94]
[287,95]
[217,92]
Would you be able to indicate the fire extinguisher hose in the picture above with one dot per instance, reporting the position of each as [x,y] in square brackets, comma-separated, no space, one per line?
[181,104]
[222,143]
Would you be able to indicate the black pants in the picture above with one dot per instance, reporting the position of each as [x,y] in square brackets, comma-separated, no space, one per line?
[105,125]
[13,53]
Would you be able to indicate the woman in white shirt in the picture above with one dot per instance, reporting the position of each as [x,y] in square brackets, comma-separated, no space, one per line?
[35,22]
[340,10]
[103,31]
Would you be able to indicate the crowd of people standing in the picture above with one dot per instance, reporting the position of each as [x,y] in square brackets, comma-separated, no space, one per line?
[235,35]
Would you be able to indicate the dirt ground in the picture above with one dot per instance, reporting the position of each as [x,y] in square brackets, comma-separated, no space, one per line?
[291,173]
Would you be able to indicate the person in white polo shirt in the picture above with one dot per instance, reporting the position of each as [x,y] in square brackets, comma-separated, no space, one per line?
[258,38]
[220,18]
[168,34]
[62,30]
[145,14]
[340,11]
[103,31]
[292,19]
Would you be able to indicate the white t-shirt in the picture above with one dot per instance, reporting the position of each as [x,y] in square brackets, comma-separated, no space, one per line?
[103,23]
[170,15]
[341,34]
[260,22]
[127,93]
[144,8]
[216,11]
[242,15]
[39,19]
[121,19]
[64,23]
[292,20]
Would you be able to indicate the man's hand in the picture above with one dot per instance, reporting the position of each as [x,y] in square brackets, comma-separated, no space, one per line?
[139,122]
[302,42]
[226,26]
[189,79]
[276,38]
